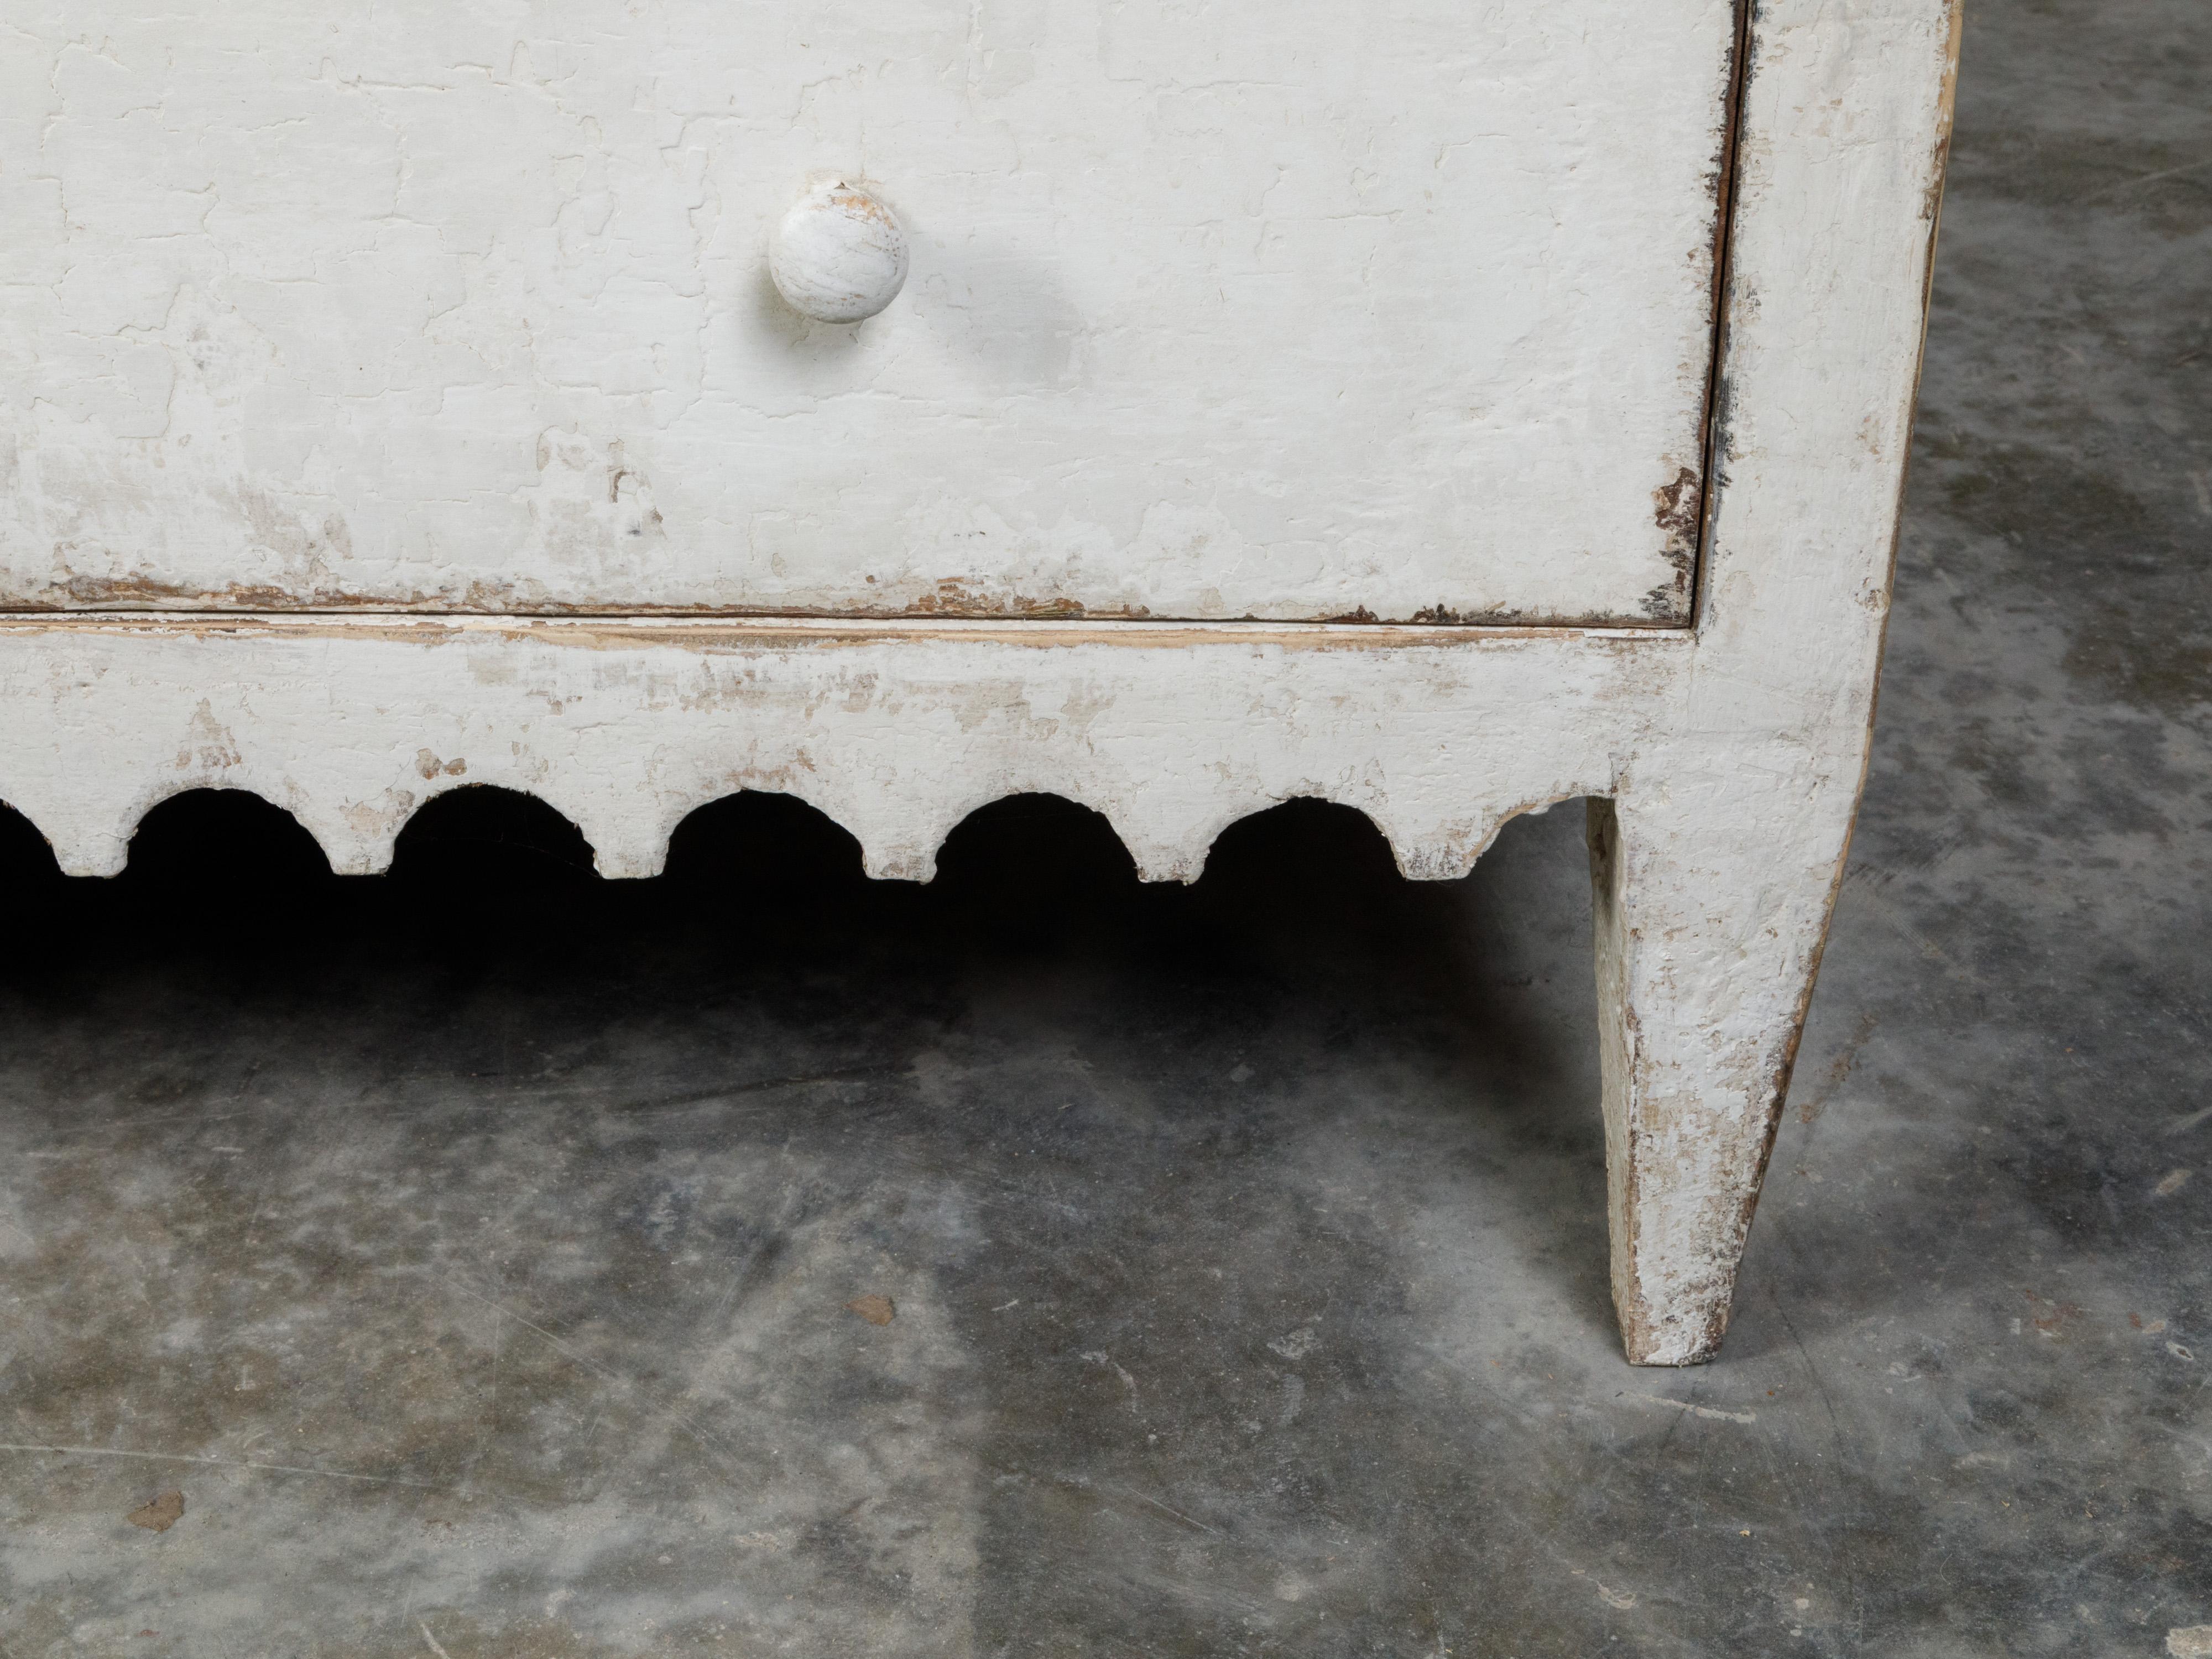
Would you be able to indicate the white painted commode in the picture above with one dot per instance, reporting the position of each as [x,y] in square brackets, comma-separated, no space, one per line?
[1441,408]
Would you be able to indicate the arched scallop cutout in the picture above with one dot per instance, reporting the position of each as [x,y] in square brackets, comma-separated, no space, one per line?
[1031,870]
[478,839]
[764,848]
[223,843]
[28,868]
[1310,887]
[1309,854]
[1314,884]
[1457,864]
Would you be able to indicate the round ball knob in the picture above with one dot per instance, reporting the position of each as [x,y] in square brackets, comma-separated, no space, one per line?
[839,256]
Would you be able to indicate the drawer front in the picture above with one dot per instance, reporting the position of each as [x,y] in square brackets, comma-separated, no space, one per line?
[1266,308]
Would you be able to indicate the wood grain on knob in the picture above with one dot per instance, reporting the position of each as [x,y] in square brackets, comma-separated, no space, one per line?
[839,256]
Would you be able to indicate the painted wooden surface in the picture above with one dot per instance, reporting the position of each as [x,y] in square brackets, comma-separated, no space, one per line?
[1723,762]
[1275,308]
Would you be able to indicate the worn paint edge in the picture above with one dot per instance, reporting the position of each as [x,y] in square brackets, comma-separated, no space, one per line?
[1785,1070]
[1714,431]
[712,633]
[259,601]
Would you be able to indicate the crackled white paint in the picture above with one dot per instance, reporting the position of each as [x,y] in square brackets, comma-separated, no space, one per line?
[1723,761]
[1271,307]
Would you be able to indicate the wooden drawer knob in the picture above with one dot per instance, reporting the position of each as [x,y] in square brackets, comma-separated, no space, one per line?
[839,256]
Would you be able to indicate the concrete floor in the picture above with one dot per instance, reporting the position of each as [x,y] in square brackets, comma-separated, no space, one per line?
[473,1249]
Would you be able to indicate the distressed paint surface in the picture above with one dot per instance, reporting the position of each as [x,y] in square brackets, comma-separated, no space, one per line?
[1241,310]
[626,727]
[1724,760]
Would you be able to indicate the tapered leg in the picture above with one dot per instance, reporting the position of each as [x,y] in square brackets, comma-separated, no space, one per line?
[1711,900]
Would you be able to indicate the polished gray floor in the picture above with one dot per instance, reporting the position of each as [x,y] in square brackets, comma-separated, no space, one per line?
[474,1251]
